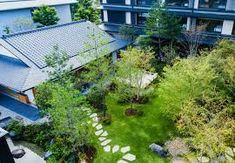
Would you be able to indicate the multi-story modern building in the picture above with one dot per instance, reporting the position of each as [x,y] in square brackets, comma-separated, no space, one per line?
[217,16]
[12,11]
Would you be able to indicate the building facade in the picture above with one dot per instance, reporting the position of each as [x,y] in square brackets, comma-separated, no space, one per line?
[13,12]
[217,16]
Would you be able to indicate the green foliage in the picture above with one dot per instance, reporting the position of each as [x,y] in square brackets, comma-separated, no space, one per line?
[98,72]
[162,24]
[127,32]
[135,63]
[45,15]
[37,134]
[58,63]
[198,93]
[85,10]
[43,95]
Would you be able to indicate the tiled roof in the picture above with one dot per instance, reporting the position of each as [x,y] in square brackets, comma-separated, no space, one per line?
[13,72]
[31,47]
[72,38]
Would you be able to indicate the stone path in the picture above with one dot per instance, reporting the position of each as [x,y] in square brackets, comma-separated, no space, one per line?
[105,142]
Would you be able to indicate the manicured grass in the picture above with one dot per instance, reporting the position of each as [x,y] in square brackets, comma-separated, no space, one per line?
[136,132]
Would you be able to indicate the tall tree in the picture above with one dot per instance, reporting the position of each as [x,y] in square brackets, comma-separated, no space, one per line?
[98,72]
[45,15]
[160,24]
[131,69]
[85,9]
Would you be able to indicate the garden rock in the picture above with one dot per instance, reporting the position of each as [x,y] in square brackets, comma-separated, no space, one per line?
[129,157]
[125,149]
[94,124]
[177,147]
[107,148]
[95,119]
[93,115]
[122,161]
[158,149]
[115,148]
[99,127]
[104,143]
[97,133]
[102,138]
[104,134]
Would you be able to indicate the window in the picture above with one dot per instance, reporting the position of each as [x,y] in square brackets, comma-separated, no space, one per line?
[216,4]
[118,2]
[177,3]
[141,18]
[145,2]
[118,17]
[206,25]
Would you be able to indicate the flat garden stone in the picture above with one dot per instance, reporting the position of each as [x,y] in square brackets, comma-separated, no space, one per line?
[99,127]
[93,115]
[105,134]
[95,119]
[122,161]
[102,138]
[94,124]
[125,149]
[129,157]
[115,148]
[106,142]
[97,133]
[107,148]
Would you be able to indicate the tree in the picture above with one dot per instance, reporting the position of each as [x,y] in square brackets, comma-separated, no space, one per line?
[45,16]
[57,61]
[85,10]
[127,32]
[131,69]
[198,94]
[70,121]
[98,72]
[161,24]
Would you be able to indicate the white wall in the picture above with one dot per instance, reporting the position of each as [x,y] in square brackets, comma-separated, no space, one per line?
[64,13]
[8,18]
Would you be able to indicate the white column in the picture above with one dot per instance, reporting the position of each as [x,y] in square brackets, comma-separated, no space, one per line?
[105,15]
[188,24]
[196,4]
[114,57]
[128,2]
[104,1]
[227,27]
[128,17]
[30,95]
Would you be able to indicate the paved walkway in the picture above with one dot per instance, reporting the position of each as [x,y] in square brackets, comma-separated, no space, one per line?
[106,142]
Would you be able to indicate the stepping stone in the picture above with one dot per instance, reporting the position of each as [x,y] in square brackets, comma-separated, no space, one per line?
[107,148]
[106,142]
[115,148]
[97,133]
[99,127]
[95,119]
[122,161]
[129,157]
[104,134]
[102,138]
[94,124]
[125,149]
[93,115]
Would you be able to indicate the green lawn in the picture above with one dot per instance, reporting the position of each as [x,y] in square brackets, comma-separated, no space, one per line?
[136,132]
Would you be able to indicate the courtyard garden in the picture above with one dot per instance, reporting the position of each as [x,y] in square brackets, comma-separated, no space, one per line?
[138,132]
